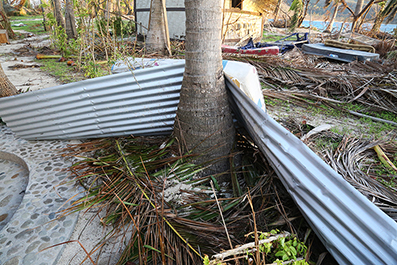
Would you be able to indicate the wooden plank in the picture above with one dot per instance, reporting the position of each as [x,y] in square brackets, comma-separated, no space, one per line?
[3,36]
[361,38]
[167,33]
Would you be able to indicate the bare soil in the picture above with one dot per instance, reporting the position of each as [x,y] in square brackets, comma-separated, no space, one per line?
[20,66]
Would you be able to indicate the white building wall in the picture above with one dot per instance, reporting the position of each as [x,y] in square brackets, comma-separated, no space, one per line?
[175,15]
[237,23]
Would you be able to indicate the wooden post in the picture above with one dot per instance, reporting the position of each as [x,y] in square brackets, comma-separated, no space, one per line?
[167,33]
[3,36]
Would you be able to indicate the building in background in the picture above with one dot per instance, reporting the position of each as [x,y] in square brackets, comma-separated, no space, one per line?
[242,18]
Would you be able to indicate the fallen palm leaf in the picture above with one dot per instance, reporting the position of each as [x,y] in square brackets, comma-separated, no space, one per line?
[130,179]
[40,56]
[349,158]
[383,158]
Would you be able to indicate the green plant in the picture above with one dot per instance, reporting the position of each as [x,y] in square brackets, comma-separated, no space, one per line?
[270,37]
[92,69]
[288,249]
[60,70]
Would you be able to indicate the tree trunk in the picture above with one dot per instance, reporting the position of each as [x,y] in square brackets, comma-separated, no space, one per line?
[107,10]
[378,20]
[70,20]
[6,87]
[58,14]
[359,7]
[4,22]
[305,9]
[331,22]
[204,124]
[155,41]
[277,10]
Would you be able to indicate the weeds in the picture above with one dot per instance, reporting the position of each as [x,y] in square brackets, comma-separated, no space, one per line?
[61,71]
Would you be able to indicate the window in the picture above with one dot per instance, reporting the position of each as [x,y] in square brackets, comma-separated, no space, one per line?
[237,3]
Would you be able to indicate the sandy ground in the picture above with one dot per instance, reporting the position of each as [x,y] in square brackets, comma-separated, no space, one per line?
[89,231]
[25,78]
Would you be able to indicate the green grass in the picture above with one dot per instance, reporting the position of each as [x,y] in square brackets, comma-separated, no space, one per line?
[33,26]
[16,18]
[270,37]
[65,74]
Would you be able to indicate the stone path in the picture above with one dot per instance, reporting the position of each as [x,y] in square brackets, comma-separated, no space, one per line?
[13,181]
[34,187]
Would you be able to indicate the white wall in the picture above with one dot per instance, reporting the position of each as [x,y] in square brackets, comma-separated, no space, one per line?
[176,19]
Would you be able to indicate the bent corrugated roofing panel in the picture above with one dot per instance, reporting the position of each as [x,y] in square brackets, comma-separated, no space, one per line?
[141,103]
[351,227]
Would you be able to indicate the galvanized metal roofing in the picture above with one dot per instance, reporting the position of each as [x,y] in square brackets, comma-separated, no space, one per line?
[139,103]
[351,227]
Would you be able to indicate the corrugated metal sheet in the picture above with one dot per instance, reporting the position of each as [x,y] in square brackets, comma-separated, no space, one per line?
[353,229]
[123,104]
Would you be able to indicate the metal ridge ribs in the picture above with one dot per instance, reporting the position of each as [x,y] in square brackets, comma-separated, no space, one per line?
[353,229]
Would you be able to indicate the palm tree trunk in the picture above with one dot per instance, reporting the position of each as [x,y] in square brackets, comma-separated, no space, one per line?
[58,14]
[4,22]
[6,87]
[155,41]
[277,10]
[359,6]
[204,124]
[70,20]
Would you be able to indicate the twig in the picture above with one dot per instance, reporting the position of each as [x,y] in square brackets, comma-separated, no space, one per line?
[372,118]
[243,249]
[220,211]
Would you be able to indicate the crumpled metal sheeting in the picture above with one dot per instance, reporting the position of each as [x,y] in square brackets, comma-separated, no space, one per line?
[353,229]
[142,103]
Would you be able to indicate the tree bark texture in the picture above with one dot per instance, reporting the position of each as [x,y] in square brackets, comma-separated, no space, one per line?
[204,124]
[6,87]
[58,14]
[70,21]
[155,41]
[378,20]
[4,22]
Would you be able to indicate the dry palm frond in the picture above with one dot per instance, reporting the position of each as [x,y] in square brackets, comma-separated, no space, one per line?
[371,84]
[349,160]
[149,192]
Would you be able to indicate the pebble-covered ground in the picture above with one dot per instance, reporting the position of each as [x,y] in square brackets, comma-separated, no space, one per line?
[34,186]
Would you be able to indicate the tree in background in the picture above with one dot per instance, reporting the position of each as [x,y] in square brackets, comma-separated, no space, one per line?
[335,6]
[70,22]
[156,37]
[204,123]
[4,22]
[58,14]
[300,8]
[388,10]
[359,13]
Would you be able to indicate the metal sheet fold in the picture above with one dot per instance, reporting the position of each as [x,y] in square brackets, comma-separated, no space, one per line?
[352,228]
